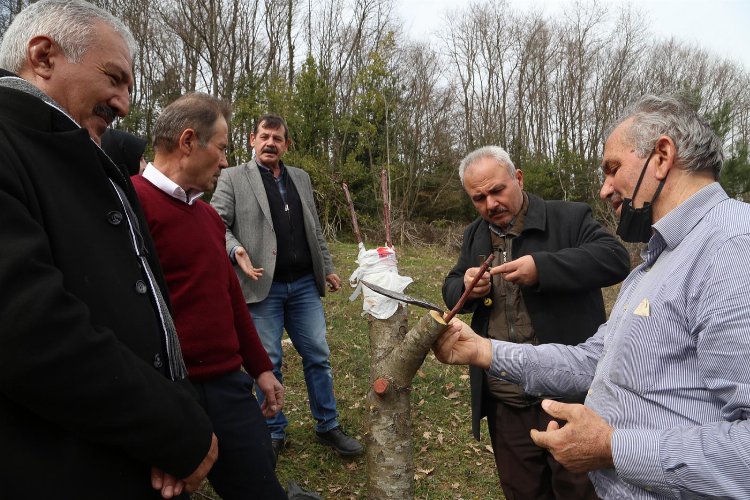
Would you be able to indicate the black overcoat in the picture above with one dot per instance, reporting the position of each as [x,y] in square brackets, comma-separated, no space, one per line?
[575,257]
[85,406]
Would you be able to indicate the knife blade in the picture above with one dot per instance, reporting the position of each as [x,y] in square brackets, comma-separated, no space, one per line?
[401,296]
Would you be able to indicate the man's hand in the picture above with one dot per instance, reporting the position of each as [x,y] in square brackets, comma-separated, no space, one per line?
[334,282]
[584,443]
[459,345]
[482,287]
[194,480]
[171,487]
[273,391]
[521,271]
[243,260]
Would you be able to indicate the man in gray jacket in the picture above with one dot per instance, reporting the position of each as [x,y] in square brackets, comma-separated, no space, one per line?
[274,238]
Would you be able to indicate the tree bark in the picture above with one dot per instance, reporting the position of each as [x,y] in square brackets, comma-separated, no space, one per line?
[396,355]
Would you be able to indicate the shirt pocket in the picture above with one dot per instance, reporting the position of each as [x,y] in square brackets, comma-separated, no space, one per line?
[648,350]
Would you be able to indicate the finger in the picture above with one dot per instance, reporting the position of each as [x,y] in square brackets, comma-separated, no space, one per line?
[448,337]
[563,411]
[455,325]
[167,491]
[178,487]
[540,438]
[157,478]
[446,345]
[168,488]
[271,400]
[553,426]
[501,269]
[510,277]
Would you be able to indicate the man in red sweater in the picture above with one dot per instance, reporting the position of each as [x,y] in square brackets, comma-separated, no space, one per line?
[216,332]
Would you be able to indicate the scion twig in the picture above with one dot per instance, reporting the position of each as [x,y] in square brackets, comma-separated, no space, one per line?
[469,288]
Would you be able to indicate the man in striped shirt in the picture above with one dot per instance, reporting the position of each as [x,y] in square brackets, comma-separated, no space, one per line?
[667,378]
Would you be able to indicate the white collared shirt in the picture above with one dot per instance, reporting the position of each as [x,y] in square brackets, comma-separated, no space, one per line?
[158,179]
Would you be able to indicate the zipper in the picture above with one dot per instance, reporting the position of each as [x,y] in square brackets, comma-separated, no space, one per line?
[508,287]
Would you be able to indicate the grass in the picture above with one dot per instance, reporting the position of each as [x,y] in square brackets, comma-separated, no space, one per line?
[449,463]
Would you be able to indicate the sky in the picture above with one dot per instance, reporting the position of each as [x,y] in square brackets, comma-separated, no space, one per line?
[720,26]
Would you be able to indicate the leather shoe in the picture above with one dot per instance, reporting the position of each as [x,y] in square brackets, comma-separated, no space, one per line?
[337,439]
[277,445]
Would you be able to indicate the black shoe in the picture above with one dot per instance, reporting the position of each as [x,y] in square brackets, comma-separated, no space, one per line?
[296,493]
[337,439]
[277,445]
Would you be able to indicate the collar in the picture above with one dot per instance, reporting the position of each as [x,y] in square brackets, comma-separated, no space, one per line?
[535,216]
[677,224]
[12,81]
[263,168]
[164,183]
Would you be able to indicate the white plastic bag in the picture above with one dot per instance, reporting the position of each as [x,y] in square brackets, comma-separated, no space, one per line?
[379,267]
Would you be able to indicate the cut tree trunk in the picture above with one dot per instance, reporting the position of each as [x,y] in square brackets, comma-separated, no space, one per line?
[396,355]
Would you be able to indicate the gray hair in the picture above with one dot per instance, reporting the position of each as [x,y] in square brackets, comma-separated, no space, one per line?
[69,23]
[495,152]
[197,111]
[698,147]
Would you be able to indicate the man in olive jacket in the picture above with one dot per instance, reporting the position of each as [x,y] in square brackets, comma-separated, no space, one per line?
[92,396]
[551,260]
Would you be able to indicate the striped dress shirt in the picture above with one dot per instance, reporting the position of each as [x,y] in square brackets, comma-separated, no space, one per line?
[670,370]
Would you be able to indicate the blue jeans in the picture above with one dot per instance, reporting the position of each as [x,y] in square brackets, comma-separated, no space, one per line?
[297,307]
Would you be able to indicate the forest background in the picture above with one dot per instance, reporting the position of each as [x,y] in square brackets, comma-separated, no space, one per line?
[361,96]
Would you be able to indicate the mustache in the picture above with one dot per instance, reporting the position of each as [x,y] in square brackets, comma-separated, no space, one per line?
[106,112]
[615,198]
[497,211]
[270,149]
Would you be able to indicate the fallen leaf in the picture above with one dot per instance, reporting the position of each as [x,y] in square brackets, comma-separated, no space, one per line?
[453,395]
[488,447]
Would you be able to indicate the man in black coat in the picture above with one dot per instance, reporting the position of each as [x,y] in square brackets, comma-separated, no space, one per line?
[125,150]
[551,261]
[93,401]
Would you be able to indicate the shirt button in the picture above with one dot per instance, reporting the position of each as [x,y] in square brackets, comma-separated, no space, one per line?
[503,373]
[141,287]
[273,252]
[114,217]
[157,361]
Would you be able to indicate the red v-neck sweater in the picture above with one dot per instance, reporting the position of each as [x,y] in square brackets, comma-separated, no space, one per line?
[216,332]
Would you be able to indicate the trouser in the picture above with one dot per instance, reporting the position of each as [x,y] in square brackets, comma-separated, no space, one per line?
[245,467]
[297,307]
[528,472]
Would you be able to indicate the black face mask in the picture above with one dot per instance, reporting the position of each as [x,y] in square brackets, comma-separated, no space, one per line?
[635,223]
